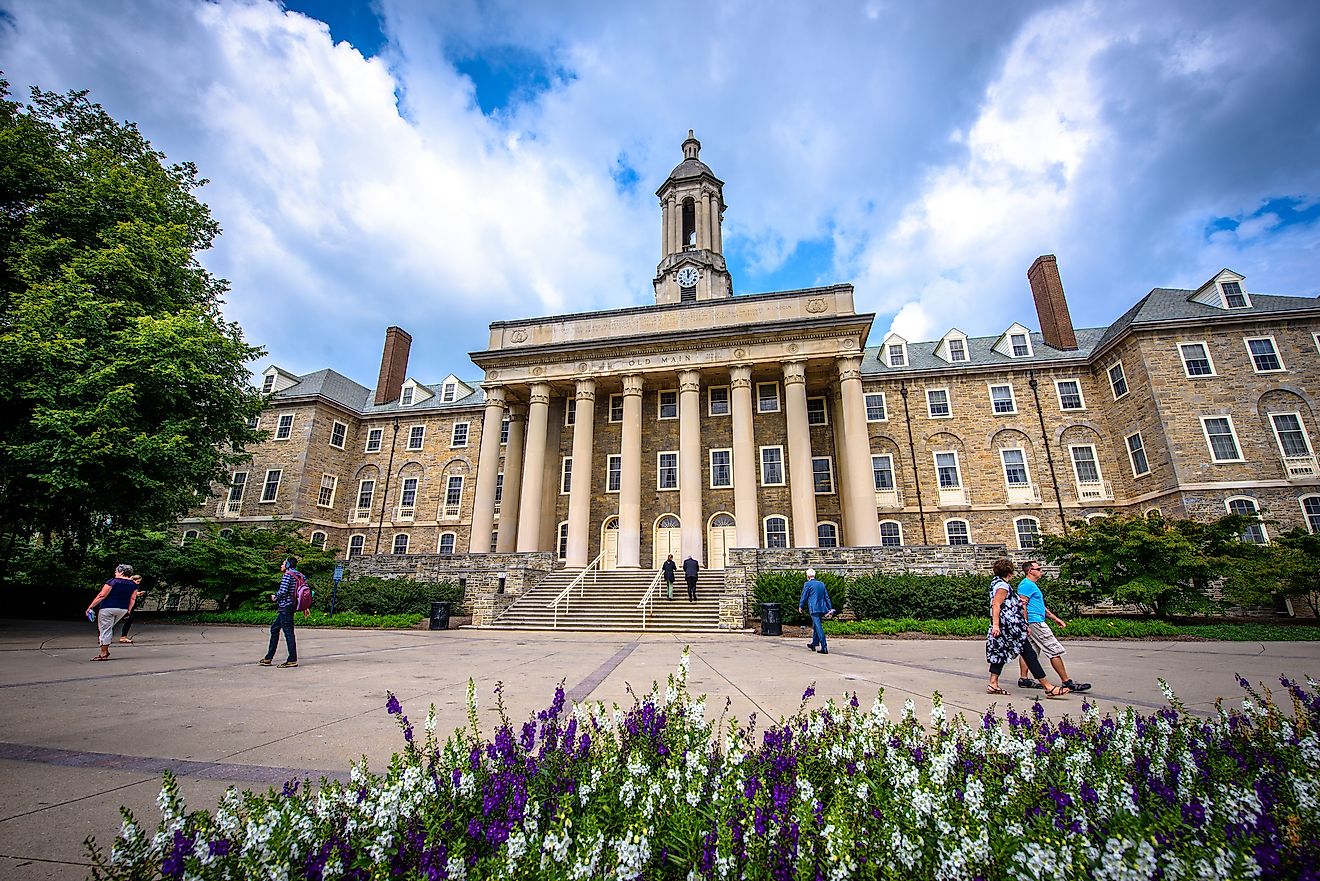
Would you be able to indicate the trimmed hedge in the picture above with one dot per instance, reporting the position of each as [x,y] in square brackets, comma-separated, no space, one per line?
[316,619]
[369,595]
[785,588]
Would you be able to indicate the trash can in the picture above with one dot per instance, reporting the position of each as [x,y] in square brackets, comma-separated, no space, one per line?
[440,615]
[771,622]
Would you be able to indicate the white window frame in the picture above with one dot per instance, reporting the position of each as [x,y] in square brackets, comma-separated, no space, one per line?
[962,343]
[1012,349]
[1095,460]
[453,435]
[254,422]
[394,544]
[1132,454]
[1012,398]
[420,441]
[728,466]
[660,403]
[1228,506]
[570,412]
[884,406]
[268,384]
[884,542]
[453,509]
[1017,532]
[504,431]
[1081,397]
[565,475]
[407,511]
[613,469]
[320,491]
[1316,338]
[660,469]
[957,469]
[615,408]
[710,400]
[561,540]
[1026,468]
[1278,437]
[834,539]
[1274,346]
[892,478]
[829,472]
[234,484]
[1182,356]
[262,500]
[357,546]
[283,432]
[499,491]
[1306,515]
[948,537]
[783,472]
[1122,377]
[311,540]
[440,544]
[371,500]
[377,434]
[1242,292]
[765,530]
[407,395]
[760,402]
[902,353]
[188,535]
[948,403]
[343,438]
[823,412]
[1232,432]
[448,392]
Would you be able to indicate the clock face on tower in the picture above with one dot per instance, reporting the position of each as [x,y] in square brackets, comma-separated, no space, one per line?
[687,276]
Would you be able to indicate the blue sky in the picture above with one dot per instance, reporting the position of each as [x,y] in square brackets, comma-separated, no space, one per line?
[442,165]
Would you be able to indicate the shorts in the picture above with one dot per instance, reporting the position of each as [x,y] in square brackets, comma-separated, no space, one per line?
[1044,641]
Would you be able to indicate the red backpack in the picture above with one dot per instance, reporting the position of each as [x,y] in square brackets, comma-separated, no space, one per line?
[302,592]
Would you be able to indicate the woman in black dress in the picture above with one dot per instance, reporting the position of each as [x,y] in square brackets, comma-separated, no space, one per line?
[1007,636]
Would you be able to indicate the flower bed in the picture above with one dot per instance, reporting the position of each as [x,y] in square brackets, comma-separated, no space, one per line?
[660,790]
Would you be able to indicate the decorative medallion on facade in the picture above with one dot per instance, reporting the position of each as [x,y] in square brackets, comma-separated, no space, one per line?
[518,336]
[537,371]
[816,305]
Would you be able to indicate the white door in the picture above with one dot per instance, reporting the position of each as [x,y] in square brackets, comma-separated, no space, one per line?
[668,540]
[609,544]
[722,535]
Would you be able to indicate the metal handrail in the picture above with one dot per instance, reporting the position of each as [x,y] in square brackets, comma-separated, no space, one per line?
[648,599]
[580,583]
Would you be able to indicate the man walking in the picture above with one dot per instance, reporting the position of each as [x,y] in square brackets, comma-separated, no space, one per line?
[669,568]
[690,567]
[1042,638]
[816,602]
[286,602]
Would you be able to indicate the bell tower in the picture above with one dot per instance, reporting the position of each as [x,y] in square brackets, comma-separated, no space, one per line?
[691,218]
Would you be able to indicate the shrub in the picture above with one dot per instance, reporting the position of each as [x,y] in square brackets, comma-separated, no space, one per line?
[785,588]
[318,618]
[882,595]
[369,595]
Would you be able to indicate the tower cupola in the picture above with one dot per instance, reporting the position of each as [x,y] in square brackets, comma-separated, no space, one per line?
[692,207]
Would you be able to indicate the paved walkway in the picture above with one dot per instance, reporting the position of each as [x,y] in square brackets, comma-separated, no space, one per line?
[78,739]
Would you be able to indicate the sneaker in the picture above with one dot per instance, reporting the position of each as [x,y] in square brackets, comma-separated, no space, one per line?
[1077,686]
[824,651]
[1029,683]
[265,662]
[812,646]
[289,664]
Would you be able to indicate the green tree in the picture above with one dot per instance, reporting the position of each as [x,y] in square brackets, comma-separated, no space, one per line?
[123,391]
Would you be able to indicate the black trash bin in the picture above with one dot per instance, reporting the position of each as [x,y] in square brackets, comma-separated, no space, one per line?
[771,622]
[440,615]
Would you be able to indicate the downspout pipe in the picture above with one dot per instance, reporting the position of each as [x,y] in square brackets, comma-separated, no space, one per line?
[912,452]
[385,496]
[1049,457]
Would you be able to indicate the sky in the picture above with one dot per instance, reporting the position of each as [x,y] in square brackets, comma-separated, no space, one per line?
[442,164]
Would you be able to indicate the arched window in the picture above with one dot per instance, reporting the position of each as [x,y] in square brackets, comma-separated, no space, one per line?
[317,540]
[400,544]
[226,533]
[563,540]
[689,224]
[446,544]
[957,532]
[188,536]
[776,532]
[1028,532]
[891,533]
[1311,510]
[669,521]
[720,521]
[356,544]
[1247,507]
[827,535]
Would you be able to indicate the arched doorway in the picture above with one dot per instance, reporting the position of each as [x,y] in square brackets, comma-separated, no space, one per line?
[668,540]
[721,535]
[609,543]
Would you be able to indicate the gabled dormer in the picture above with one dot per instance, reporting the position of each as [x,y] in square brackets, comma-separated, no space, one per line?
[453,389]
[894,351]
[953,347]
[1015,342]
[413,393]
[277,380]
[1223,291]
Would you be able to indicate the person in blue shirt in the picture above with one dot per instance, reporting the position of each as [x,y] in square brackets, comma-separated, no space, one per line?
[816,602]
[285,604]
[1042,638]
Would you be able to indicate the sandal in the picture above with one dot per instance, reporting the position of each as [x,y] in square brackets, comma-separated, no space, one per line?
[990,689]
[126,640]
[101,658]
[1058,691]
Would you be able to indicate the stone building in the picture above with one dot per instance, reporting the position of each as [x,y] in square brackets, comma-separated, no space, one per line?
[710,421]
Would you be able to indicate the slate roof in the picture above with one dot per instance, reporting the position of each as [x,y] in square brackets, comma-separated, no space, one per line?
[340,389]
[1175,304]
[980,354]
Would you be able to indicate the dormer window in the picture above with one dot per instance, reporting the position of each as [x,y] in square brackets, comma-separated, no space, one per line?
[447,396]
[1021,345]
[897,355]
[1234,296]
[957,350]
[406,399]
[269,384]
[1015,342]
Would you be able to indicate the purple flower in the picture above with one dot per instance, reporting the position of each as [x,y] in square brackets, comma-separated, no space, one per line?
[392,704]
[1193,813]
[180,850]
[220,847]
[809,693]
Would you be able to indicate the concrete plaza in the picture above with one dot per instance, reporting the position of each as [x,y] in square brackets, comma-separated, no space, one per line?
[80,739]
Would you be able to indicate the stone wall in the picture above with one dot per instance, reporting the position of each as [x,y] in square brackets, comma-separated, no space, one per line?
[479,574]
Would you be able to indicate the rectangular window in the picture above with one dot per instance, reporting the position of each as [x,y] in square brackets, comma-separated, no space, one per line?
[446,546]
[668,404]
[366,491]
[1196,359]
[338,433]
[1118,381]
[272,487]
[1292,438]
[772,466]
[1233,296]
[504,432]
[400,544]
[1070,394]
[822,475]
[1264,356]
[613,473]
[416,435]
[1015,467]
[1255,532]
[957,350]
[882,470]
[408,494]
[566,475]
[937,403]
[268,384]
[767,397]
[355,545]
[1084,464]
[1137,453]
[326,497]
[447,393]
[453,495]
[1220,436]
[1001,399]
[284,428]
[458,436]
[897,355]
[406,397]
[616,408]
[499,490]
[570,411]
[721,469]
[1021,347]
[373,440]
[237,483]
[816,412]
[666,474]
[1311,508]
[946,468]
[891,534]
[875,407]
[957,532]
[717,398]
[254,422]
[776,532]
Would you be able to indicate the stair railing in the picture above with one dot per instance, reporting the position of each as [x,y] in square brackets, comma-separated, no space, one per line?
[649,598]
[580,583]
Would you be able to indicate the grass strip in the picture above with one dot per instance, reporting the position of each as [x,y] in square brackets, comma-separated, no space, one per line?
[316,619]
[1083,628]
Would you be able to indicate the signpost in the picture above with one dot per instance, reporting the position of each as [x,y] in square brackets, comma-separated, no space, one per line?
[334,591]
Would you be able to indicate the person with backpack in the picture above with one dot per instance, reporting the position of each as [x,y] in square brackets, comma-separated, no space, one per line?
[287,600]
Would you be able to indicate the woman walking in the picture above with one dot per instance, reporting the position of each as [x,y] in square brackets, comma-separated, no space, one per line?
[115,600]
[127,621]
[1007,636]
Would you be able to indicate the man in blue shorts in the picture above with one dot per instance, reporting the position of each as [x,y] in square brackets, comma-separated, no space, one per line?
[1042,638]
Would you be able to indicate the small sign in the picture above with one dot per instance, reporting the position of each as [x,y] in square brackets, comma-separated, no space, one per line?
[339,572]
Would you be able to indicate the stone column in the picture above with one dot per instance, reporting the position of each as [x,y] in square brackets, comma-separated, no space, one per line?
[718,247]
[842,477]
[664,228]
[699,212]
[507,541]
[745,456]
[801,489]
[689,463]
[488,465]
[533,484]
[579,492]
[865,531]
[630,477]
[675,225]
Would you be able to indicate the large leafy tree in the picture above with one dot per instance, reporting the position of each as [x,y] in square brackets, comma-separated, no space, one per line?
[123,391]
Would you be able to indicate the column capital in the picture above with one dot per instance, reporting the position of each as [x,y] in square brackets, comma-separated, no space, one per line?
[632,384]
[795,372]
[515,412]
[740,376]
[585,389]
[689,380]
[850,366]
[495,394]
[539,393]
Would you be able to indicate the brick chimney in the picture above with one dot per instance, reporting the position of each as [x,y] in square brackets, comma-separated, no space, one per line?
[1051,307]
[393,365]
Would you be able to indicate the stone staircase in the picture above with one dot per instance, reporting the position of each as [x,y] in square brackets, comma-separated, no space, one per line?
[608,601]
